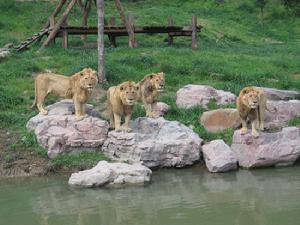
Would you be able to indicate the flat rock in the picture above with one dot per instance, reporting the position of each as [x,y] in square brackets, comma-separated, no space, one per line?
[281,112]
[112,174]
[200,95]
[277,94]
[219,157]
[60,133]
[270,149]
[155,142]
[220,119]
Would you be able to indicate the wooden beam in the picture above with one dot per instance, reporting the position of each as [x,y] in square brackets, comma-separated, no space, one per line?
[58,24]
[65,37]
[132,40]
[100,13]
[170,37]
[129,28]
[194,32]
[52,23]
[85,10]
[111,37]
[55,13]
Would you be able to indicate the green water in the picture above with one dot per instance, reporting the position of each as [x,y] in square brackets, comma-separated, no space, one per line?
[183,197]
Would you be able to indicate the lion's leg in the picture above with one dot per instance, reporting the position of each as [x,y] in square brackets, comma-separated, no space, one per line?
[254,125]
[126,124]
[244,127]
[40,98]
[111,118]
[77,106]
[154,113]
[117,119]
[262,117]
[82,110]
[148,109]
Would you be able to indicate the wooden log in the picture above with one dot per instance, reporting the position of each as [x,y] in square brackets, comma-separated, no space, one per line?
[58,24]
[55,13]
[194,32]
[111,37]
[85,10]
[100,44]
[65,37]
[131,40]
[170,37]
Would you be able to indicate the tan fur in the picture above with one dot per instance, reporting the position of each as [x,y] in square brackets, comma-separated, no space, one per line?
[150,88]
[252,104]
[77,87]
[120,101]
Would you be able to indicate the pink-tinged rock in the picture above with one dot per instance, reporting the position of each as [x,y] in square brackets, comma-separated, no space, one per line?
[200,95]
[111,174]
[270,149]
[276,94]
[60,133]
[281,112]
[219,157]
[220,119]
[155,143]
[161,108]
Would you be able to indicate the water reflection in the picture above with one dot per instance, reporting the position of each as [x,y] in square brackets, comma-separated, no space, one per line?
[187,196]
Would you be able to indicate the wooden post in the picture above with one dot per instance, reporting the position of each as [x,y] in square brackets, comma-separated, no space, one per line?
[170,37]
[52,23]
[131,40]
[194,32]
[58,24]
[112,38]
[65,38]
[55,13]
[85,10]
[100,12]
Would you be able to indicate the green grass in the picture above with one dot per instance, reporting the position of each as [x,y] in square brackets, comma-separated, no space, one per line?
[294,122]
[235,50]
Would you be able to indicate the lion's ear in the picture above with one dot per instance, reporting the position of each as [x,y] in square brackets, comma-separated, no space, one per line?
[81,73]
[122,88]
[137,87]
[151,76]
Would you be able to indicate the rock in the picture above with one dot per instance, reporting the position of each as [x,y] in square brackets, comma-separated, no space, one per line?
[155,142]
[220,119]
[105,173]
[270,149]
[200,95]
[8,46]
[161,108]
[4,53]
[60,133]
[218,156]
[276,94]
[281,112]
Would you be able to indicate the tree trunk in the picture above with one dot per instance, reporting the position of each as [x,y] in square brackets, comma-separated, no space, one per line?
[55,13]
[100,12]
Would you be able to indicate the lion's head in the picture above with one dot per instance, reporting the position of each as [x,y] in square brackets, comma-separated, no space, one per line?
[250,97]
[88,79]
[129,92]
[157,81]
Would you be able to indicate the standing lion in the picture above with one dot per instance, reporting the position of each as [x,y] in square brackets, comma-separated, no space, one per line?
[77,87]
[150,88]
[120,101]
[252,104]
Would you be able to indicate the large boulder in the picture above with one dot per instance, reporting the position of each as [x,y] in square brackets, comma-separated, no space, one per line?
[220,119]
[219,157]
[270,149]
[60,133]
[200,95]
[280,112]
[155,142]
[111,174]
[276,94]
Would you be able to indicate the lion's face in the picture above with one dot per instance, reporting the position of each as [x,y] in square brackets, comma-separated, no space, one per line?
[251,99]
[88,79]
[129,92]
[157,81]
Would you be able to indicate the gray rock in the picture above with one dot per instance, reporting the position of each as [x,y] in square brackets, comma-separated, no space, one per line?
[200,95]
[276,94]
[220,119]
[4,53]
[270,149]
[112,174]
[155,142]
[218,156]
[281,112]
[60,133]
[161,108]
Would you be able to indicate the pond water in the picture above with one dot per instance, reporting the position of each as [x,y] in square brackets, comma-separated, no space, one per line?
[183,197]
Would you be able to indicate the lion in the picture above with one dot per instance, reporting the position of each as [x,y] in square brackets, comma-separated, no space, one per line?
[77,87]
[252,104]
[120,101]
[150,88]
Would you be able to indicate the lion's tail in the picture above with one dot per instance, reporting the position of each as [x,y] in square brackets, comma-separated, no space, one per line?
[35,94]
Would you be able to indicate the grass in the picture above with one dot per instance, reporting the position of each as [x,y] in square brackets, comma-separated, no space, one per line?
[294,122]
[235,50]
